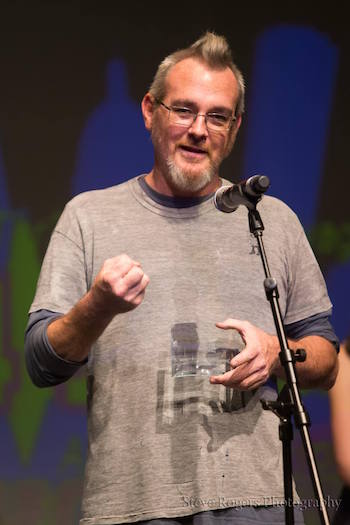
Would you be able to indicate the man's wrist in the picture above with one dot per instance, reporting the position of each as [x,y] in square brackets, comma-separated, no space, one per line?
[276,349]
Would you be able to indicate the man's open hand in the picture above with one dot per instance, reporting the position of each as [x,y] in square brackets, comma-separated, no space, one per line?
[253,366]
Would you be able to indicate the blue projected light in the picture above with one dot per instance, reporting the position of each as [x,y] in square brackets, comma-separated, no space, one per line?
[338,283]
[114,145]
[292,86]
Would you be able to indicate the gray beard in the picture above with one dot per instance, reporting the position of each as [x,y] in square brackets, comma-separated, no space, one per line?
[184,181]
[181,180]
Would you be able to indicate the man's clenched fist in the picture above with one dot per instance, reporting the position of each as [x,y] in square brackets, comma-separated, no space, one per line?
[120,285]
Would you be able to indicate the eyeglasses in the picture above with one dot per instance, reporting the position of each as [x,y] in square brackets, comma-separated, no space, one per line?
[216,122]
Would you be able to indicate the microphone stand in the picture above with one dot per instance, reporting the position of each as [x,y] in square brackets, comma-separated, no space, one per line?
[288,402]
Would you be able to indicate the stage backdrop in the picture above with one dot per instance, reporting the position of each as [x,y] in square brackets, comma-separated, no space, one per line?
[72,78]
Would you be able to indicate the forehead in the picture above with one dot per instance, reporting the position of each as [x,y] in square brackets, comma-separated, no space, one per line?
[192,79]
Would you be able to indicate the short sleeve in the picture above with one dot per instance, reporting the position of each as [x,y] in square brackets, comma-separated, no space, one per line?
[307,290]
[63,277]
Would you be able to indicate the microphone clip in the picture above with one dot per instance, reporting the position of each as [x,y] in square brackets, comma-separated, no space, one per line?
[248,193]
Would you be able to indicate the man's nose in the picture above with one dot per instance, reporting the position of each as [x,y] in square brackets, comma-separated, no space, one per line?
[199,126]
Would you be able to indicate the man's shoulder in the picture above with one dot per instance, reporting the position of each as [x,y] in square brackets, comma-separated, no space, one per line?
[101,198]
[280,220]
[277,209]
[270,205]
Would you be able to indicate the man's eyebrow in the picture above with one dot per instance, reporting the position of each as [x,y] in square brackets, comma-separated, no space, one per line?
[183,102]
[221,109]
[186,103]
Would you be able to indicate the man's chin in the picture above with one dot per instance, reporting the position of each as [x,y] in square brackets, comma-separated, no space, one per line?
[189,180]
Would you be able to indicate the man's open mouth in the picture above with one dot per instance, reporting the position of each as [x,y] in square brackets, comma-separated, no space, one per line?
[193,149]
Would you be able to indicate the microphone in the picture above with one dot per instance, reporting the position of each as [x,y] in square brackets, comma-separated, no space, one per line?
[228,198]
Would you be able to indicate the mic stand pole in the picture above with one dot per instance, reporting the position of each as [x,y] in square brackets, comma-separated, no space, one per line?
[288,402]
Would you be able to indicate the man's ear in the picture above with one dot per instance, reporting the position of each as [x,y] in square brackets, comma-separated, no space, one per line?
[236,125]
[233,135]
[147,106]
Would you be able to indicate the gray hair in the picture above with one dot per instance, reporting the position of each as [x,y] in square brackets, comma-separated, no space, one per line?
[214,51]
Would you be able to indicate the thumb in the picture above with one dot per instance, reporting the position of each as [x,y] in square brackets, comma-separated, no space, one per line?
[242,327]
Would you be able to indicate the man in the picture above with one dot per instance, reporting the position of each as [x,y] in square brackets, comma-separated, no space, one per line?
[164,442]
[339,400]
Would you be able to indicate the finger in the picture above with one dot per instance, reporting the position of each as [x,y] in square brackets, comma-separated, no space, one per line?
[227,324]
[251,383]
[232,377]
[238,374]
[222,379]
[231,380]
[236,324]
[140,295]
[242,327]
[124,264]
[250,337]
[137,289]
[137,299]
[245,356]
[117,267]
[133,277]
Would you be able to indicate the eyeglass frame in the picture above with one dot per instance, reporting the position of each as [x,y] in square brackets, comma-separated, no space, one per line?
[231,119]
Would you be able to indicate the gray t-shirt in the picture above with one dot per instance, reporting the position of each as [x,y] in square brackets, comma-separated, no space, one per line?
[162,445]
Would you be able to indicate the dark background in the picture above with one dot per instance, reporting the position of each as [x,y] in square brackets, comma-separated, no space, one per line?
[72,75]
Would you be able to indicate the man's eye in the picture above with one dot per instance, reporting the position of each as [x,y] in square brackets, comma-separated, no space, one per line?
[217,118]
[182,112]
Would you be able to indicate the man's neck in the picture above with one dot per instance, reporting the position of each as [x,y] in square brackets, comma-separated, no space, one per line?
[158,183]
[171,201]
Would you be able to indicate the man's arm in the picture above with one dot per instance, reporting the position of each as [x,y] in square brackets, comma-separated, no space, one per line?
[339,397]
[259,359]
[119,287]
